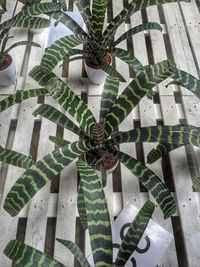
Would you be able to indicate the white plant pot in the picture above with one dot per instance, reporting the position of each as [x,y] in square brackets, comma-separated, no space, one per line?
[37,31]
[8,75]
[95,75]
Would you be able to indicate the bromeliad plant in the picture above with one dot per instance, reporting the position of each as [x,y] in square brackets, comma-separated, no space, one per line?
[97,44]
[99,226]
[99,138]
[7,66]
[4,52]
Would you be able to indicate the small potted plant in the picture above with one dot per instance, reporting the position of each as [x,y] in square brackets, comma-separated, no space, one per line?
[99,45]
[101,139]
[7,65]
[99,226]
[24,20]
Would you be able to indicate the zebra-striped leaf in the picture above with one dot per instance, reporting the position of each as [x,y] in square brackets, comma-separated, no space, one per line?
[63,4]
[66,98]
[76,251]
[151,182]
[27,43]
[41,173]
[112,72]
[127,57]
[3,4]
[58,50]
[98,16]
[130,9]
[178,135]
[14,158]
[148,77]
[134,234]
[97,215]
[58,141]
[81,207]
[20,96]
[25,255]
[137,29]
[24,19]
[57,117]
[41,8]
[196,184]
[185,79]
[109,95]
[25,22]
[161,149]
[68,22]
[84,8]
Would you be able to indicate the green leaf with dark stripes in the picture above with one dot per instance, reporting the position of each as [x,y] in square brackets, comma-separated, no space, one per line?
[24,19]
[134,234]
[177,135]
[3,4]
[27,43]
[127,57]
[161,149]
[186,80]
[81,207]
[196,184]
[20,96]
[42,8]
[14,158]
[41,173]
[66,98]
[109,95]
[76,251]
[137,29]
[63,4]
[84,8]
[130,9]
[97,215]
[25,255]
[58,141]
[57,117]
[112,72]
[58,50]
[151,182]
[149,77]
[98,16]
[68,22]
[25,22]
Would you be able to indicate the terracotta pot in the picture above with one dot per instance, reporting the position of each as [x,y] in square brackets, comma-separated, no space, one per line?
[94,72]
[110,163]
[7,72]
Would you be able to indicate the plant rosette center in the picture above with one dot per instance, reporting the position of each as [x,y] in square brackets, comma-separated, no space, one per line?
[101,157]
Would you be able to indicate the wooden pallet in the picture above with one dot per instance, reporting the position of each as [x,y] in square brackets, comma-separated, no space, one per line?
[52,212]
